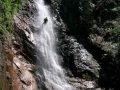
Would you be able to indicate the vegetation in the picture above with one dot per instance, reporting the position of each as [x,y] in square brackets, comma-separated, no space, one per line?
[116,34]
[118,8]
[7,10]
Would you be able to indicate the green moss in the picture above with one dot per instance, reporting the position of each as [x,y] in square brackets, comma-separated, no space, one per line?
[8,8]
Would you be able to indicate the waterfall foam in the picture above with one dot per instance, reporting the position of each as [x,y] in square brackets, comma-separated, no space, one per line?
[45,40]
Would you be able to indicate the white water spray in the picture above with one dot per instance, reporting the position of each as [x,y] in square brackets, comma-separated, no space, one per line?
[45,40]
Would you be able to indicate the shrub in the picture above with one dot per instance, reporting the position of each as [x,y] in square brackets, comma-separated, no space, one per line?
[118,8]
[116,34]
[8,8]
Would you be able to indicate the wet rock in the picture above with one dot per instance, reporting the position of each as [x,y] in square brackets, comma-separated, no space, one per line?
[79,59]
[83,84]
[24,47]
[92,24]
[24,33]
[23,77]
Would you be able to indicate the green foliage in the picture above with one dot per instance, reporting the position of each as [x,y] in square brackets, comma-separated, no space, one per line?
[118,8]
[116,34]
[8,8]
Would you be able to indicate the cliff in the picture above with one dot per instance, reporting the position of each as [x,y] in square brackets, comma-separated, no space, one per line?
[87,45]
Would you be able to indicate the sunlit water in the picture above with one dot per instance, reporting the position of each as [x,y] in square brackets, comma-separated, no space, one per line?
[45,40]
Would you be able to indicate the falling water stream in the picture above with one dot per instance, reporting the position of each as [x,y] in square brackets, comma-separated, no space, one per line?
[45,40]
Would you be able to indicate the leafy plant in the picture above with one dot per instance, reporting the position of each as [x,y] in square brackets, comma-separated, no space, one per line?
[116,34]
[118,8]
[8,8]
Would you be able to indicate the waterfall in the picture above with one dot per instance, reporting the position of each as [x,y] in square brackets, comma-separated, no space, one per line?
[45,40]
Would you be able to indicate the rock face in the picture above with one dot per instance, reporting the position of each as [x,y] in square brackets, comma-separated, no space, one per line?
[95,25]
[86,44]
[79,60]
[24,38]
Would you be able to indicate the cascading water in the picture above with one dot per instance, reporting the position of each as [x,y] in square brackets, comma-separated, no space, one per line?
[45,40]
